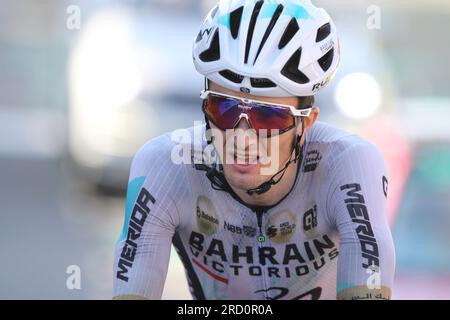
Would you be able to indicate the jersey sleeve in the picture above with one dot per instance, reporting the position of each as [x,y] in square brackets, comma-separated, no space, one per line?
[356,206]
[151,218]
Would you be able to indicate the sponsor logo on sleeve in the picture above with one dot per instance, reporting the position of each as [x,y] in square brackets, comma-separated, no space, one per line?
[360,217]
[139,214]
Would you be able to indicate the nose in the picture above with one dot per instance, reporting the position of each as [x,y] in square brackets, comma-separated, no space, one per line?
[243,123]
[249,139]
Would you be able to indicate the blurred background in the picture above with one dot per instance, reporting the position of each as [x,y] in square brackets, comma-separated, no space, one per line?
[84,83]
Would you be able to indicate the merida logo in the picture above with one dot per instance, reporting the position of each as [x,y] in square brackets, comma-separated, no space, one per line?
[140,212]
[360,216]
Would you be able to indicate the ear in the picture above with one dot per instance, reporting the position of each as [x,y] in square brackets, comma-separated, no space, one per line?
[309,121]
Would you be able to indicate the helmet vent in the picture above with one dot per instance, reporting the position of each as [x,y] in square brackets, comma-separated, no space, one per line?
[235,21]
[251,28]
[213,53]
[323,32]
[289,33]
[290,70]
[262,83]
[326,60]
[232,76]
[270,27]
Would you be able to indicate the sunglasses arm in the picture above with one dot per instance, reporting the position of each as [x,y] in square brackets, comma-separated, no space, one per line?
[301,112]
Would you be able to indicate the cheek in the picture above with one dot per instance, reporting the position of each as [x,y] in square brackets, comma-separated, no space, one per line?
[281,145]
[219,138]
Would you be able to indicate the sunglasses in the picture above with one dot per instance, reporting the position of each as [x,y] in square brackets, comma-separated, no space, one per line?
[225,112]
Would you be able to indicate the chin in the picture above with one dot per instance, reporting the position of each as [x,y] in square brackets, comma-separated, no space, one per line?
[242,178]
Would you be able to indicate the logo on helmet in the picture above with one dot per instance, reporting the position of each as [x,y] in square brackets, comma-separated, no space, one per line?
[245,90]
[320,85]
[202,34]
[327,46]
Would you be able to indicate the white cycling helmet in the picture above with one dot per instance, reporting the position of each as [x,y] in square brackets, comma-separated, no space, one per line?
[276,48]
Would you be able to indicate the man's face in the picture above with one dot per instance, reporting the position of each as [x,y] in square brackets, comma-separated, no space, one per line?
[249,160]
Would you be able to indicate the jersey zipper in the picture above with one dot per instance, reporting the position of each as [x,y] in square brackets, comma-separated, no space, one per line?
[261,239]
[259,216]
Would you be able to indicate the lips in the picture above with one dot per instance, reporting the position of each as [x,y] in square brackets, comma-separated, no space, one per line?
[245,168]
[243,162]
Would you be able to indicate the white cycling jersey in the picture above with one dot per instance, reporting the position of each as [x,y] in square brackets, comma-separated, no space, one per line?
[327,238]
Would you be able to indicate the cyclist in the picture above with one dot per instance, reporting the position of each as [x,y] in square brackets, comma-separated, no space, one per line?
[311,226]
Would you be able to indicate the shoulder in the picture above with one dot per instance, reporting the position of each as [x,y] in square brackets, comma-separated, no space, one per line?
[349,164]
[152,154]
[168,152]
[341,148]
